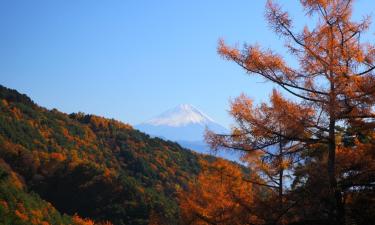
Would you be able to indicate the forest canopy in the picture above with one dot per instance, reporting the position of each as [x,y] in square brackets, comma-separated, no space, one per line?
[78,166]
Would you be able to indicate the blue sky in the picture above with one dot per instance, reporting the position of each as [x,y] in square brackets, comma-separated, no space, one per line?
[133,59]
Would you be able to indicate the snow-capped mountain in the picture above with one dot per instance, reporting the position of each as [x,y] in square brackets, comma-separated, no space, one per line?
[181,115]
[186,125]
[182,123]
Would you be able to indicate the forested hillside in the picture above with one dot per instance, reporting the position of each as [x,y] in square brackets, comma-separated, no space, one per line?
[87,166]
[18,206]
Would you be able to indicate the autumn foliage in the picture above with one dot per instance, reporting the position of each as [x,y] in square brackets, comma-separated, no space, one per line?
[85,168]
[320,140]
[308,153]
[219,195]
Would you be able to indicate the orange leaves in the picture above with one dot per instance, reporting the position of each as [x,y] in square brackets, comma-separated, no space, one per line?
[219,196]
[20,212]
[21,215]
[353,157]
[278,19]
[135,144]
[329,54]
[254,59]
[101,122]
[293,118]
[58,156]
[107,172]
[228,52]
[38,216]
[213,140]
[77,220]
[16,113]
[266,135]
[265,120]
[37,213]
[242,107]
[288,113]
[65,132]
[80,221]
[311,5]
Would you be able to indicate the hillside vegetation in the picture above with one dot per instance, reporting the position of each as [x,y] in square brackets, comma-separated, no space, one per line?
[85,165]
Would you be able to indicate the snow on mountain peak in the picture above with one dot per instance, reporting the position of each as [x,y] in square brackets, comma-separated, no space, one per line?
[181,115]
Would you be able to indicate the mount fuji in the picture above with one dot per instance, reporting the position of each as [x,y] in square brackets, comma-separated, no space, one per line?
[184,124]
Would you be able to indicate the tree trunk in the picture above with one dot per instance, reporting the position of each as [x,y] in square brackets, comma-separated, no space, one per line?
[281,179]
[338,206]
[281,174]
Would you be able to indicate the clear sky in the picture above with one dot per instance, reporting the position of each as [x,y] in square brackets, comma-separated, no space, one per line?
[133,59]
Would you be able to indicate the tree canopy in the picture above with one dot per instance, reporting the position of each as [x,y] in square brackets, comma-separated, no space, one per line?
[332,97]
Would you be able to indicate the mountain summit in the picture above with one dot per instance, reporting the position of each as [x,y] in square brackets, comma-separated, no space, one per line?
[181,123]
[186,125]
[181,115]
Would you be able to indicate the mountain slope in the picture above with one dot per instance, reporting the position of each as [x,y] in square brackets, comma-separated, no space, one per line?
[95,167]
[17,206]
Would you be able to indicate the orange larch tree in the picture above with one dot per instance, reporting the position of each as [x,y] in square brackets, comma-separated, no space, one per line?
[333,85]
[269,155]
[220,195]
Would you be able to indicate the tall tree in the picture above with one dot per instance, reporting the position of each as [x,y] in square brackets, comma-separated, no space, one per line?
[334,84]
[269,155]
